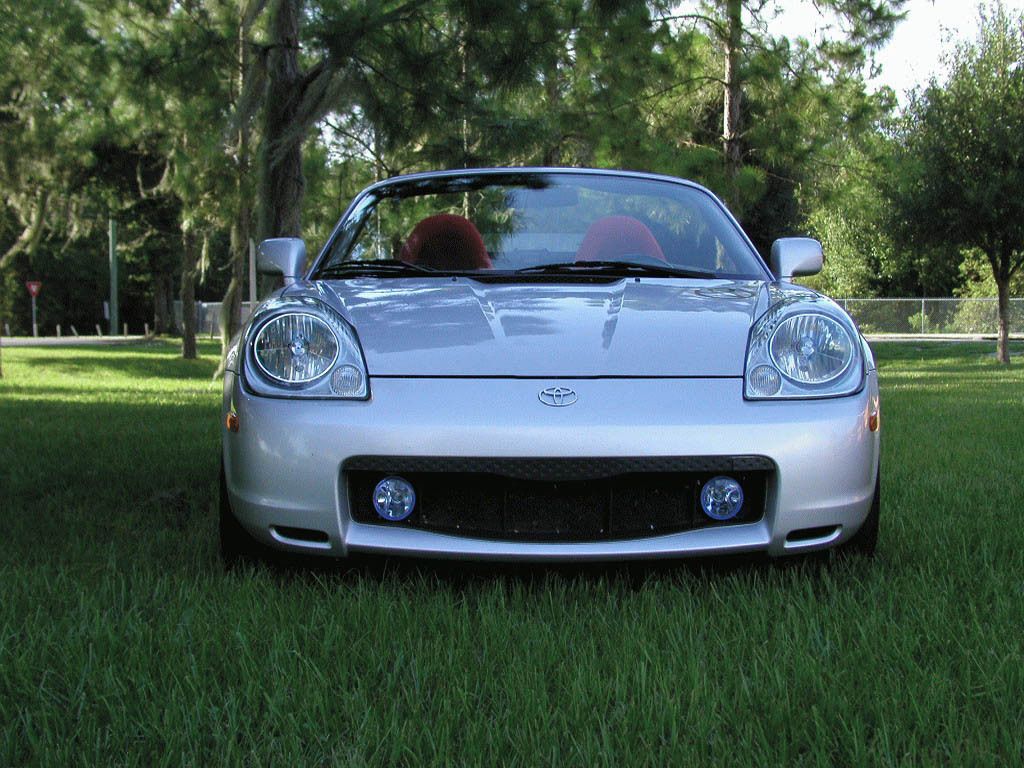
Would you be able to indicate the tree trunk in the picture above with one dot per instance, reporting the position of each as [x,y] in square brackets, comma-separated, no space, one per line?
[163,303]
[189,260]
[553,94]
[1003,344]
[231,306]
[29,239]
[733,95]
[282,185]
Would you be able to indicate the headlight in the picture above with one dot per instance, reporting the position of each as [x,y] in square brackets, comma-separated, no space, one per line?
[295,348]
[803,348]
[811,349]
[300,347]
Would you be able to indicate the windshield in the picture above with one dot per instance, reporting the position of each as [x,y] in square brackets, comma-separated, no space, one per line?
[540,223]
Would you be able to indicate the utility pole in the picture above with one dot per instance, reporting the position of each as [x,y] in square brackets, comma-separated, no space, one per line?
[112,247]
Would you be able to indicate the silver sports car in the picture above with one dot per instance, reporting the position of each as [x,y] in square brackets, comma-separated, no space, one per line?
[547,364]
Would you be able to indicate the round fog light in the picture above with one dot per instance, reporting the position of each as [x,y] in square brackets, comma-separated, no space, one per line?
[721,498]
[394,498]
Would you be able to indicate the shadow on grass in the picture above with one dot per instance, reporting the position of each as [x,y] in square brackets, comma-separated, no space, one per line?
[160,365]
[948,355]
[411,573]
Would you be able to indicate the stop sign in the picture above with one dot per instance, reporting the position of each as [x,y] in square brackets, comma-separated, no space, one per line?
[34,286]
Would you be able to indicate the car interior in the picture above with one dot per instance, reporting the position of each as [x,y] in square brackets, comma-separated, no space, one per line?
[448,241]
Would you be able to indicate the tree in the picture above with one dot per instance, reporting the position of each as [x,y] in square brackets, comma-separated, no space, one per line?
[963,148]
[179,68]
[739,28]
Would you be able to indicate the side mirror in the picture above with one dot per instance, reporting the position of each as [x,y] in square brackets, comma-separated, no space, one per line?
[795,256]
[285,256]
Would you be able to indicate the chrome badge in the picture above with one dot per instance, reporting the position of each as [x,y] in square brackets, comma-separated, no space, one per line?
[557,397]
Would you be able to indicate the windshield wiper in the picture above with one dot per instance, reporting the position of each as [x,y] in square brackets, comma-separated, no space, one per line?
[614,267]
[377,267]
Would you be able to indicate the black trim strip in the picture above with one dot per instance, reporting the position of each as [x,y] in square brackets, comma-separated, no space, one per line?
[558,468]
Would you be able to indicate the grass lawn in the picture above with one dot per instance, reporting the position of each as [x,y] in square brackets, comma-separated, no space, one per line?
[123,642]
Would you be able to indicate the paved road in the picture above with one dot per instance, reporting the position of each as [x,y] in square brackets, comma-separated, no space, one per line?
[938,336]
[70,341]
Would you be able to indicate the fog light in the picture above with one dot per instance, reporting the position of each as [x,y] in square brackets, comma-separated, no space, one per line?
[721,498]
[394,498]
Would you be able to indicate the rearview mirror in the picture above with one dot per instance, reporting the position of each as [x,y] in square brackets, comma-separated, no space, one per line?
[795,256]
[285,256]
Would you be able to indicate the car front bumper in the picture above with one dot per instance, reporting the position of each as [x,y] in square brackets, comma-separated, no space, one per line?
[284,465]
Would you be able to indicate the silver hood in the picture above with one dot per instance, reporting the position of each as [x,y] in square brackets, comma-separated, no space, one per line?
[463,327]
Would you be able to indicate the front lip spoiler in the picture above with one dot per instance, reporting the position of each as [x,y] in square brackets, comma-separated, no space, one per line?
[411,542]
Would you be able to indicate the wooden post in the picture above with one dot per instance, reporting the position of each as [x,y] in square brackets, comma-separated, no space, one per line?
[58,330]
[73,330]
[112,252]
[99,331]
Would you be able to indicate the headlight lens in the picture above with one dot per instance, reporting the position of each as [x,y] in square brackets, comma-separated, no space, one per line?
[300,347]
[811,349]
[296,348]
[803,347]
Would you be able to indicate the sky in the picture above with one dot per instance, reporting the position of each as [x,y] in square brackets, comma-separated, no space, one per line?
[914,53]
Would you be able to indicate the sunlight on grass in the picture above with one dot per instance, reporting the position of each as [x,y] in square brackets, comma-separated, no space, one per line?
[124,642]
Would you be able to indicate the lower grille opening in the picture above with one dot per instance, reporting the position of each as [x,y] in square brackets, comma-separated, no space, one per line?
[300,534]
[809,534]
[623,505]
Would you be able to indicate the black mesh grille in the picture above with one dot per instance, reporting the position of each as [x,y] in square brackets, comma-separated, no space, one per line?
[563,500]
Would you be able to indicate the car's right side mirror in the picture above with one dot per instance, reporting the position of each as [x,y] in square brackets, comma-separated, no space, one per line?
[285,256]
[795,256]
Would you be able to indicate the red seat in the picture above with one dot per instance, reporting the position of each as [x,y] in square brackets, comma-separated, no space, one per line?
[446,241]
[613,238]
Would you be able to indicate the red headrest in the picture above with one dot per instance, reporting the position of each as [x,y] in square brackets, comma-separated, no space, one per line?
[615,237]
[446,241]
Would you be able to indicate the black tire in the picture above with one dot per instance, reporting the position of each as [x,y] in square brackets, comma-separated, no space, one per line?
[865,540]
[237,546]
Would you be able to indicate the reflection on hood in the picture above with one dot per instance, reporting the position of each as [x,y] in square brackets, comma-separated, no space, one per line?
[462,327]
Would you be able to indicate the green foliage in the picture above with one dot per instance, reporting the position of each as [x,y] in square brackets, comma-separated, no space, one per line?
[963,168]
[962,158]
[156,113]
[977,280]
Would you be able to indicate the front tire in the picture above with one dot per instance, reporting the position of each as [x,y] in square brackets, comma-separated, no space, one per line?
[237,546]
[865,540]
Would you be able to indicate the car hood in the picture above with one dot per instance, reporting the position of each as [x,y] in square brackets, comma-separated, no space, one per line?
[627,327]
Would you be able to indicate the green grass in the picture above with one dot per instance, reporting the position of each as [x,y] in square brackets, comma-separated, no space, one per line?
[122,641]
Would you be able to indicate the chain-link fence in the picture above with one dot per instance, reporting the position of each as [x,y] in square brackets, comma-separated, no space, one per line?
[934,316]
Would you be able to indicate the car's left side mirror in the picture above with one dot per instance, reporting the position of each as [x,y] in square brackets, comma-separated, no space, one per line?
[285,256]
[795,256]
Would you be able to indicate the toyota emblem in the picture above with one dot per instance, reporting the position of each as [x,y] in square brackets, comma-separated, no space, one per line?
[557,397]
